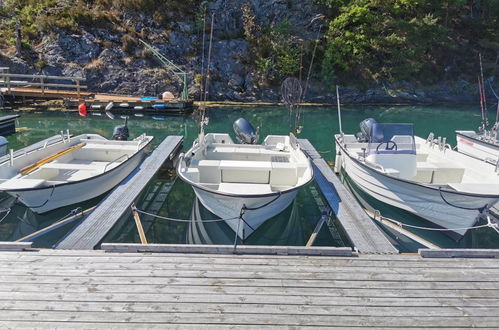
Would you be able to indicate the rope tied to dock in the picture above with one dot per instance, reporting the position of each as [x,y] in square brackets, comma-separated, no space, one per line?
[181,220]
[490,223]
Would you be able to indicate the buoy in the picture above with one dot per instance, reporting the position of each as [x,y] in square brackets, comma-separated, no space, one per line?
[109,106]
[159,106]
[96,106]
[138,107]
[82,109]
[124,105]
[167,96]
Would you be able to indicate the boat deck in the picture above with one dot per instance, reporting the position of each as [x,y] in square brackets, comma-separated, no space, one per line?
[95,289]
[95,227]
[362,231]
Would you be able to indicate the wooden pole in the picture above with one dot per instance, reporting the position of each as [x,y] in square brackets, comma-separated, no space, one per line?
[30,168]
[136,216]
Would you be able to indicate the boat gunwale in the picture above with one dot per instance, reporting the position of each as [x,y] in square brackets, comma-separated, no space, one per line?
[82,180]
[216,192]
[494,145]
[441,189]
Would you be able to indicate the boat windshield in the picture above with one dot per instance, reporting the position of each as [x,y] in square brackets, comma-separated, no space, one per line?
[392,139]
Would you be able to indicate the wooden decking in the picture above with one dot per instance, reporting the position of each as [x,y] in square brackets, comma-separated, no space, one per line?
[45,93]
[94,289]
[362,231]
[95,227]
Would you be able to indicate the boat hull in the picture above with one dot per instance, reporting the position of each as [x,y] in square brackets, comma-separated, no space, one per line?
[259,209]
[444,208]
[477,148]
[49,198]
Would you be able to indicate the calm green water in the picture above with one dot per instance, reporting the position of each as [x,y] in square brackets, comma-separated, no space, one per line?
[176,199]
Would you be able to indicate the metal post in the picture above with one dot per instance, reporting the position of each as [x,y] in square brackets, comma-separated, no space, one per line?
[78,89]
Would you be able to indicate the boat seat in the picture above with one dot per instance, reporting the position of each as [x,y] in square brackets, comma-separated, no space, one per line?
[447,173]
[245,188]
[209,171]
[421,157]
[70,166]
[283,174]
[476,188]
[234,171]
[424,172]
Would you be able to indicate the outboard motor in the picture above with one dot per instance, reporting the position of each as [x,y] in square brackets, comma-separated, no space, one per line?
[366,129]
[120,132]
[245,133]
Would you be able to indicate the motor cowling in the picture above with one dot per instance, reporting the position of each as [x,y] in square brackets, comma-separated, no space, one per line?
[366,129]
[245,132]
[121,132]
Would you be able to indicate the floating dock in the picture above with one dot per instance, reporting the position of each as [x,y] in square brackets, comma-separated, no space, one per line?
[94,228]
[98,289]
[73,91]
[8,124]
[361,230]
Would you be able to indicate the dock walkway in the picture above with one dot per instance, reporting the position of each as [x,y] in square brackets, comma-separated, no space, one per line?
[95,227]
[362,231]
[95,289]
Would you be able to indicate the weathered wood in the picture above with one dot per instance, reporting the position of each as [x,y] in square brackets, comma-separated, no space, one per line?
[107,290]
[95,227]
[227,249]
[15,246]
[361,230]
[459,253]
[138,224]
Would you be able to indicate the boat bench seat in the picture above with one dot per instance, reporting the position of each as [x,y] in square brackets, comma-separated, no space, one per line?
[98,166]
[447,173]
[234,171]
[424,172]
[245,188]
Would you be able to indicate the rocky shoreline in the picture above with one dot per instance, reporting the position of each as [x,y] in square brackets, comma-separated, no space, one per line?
[99,56]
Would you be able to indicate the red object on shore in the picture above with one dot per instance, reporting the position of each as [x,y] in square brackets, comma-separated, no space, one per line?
[82,110]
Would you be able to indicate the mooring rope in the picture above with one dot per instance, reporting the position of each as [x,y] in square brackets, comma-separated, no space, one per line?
[182,220]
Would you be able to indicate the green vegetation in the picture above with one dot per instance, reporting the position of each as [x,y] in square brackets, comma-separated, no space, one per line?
[423,40]
[275,52]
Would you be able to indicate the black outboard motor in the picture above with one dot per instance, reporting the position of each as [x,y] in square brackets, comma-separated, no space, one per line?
[245,133]
[120,132]
[366,129]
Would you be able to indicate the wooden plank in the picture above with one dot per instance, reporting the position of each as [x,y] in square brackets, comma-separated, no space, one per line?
[361,230]
[227,249]
[309,292]
[264,308]
[95,227]
[253,318]
[258,284]
[459,253]
[15,246]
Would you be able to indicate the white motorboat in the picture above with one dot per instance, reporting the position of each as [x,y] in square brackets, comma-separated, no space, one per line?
[484,146]
[424,177]
[257,181]
[69,170]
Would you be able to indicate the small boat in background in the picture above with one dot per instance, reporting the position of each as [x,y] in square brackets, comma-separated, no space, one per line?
[424,177]
[257,181]
[484,146]
[71,170]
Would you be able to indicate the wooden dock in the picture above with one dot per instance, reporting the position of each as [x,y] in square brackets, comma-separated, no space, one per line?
[95,227]
[361,230]
[94,289]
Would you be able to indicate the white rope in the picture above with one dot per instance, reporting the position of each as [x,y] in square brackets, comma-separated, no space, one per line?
[182,220]
[400,224]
